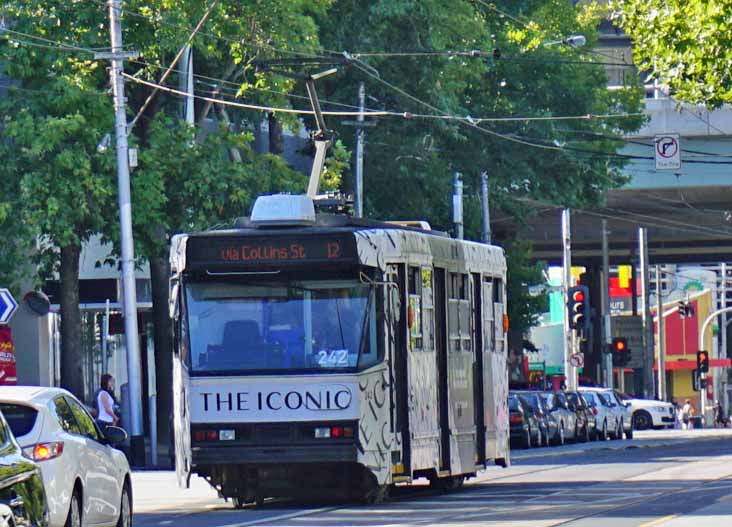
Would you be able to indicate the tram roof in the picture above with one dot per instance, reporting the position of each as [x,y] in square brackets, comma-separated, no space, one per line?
[376,240]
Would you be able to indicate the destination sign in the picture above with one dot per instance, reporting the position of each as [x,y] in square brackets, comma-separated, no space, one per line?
[240,250]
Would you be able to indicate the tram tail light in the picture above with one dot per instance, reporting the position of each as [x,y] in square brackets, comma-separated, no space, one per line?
[333,432]
[516,419]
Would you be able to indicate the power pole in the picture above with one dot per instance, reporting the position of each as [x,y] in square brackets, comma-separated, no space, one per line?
[569,370]
[485,230]
[359,151]
[648,381]
[185,82]
[125,217]
[457,205]
[360,124]
[661,338]
[607,358]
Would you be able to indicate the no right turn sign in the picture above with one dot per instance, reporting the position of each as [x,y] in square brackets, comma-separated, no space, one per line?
[668,152]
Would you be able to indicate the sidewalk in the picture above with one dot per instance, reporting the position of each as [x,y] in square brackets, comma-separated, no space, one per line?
[644,439]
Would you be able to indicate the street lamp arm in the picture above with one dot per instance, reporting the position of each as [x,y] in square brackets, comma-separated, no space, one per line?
[708,321]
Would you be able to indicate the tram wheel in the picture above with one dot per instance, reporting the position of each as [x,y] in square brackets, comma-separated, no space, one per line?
[376,494]
[239,502]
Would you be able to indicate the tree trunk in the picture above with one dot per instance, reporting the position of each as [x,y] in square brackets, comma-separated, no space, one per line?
[72,353]
[163,334]
[276,137]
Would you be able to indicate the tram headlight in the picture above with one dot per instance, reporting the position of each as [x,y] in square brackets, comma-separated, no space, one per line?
[322,432]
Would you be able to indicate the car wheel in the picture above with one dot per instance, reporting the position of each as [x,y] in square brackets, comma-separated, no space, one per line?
[562,436]
[239,502]
[642,420]
[125,511]
[74,517]
[528,438]
[629,433]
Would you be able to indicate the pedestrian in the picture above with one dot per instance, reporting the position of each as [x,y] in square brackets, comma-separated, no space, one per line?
[719,419]
[106,403]
[687,411]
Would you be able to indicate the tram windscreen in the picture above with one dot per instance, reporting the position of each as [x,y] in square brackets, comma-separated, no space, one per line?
[235,327]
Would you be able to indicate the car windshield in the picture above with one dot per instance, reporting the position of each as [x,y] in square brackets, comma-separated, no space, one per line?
[532,400]
[576,400]
[605,399]
[590,398]
[291,326]
[513,403]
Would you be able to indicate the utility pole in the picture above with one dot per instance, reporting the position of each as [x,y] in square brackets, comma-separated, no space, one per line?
[648,381]
[359,150]
[457,205]
[722,376]
[125,216]
[661,338]
[607,358]
[360,124]
[185,82]
[569,370]
[485,224]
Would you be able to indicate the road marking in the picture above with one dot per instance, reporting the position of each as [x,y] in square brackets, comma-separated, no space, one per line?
[287,516]
[659,521]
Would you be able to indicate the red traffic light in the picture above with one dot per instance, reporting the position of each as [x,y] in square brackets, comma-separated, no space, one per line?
[578,296]
[620,345]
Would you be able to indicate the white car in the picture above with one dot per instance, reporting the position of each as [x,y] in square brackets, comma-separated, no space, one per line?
[87,480]
[616,407]
[649,413]
[606,418]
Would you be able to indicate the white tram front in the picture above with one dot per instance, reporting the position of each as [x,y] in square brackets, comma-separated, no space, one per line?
[325,354]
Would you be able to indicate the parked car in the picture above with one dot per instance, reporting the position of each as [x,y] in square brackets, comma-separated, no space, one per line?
[618,409]
[589,430]
[547,422]
[524,427]
[87,480]
[22,495]
[649,413]
[558,407]
[606,418]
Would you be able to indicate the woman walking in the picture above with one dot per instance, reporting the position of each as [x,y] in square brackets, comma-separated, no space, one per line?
[106,415]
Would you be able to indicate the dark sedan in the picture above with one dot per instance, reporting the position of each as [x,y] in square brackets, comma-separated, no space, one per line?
[22,496]
[524,426]
[547,422]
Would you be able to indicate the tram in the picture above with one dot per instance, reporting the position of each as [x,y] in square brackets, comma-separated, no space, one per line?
[328,355]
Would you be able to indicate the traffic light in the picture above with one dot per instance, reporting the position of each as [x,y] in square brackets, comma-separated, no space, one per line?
[578,308]
[702,361]
[620,351]
[685,309]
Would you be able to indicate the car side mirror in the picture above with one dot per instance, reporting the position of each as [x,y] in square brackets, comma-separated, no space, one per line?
[115,435]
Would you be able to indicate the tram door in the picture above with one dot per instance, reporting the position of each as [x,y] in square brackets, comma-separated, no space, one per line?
[398,353]
[478,371]
[441,348]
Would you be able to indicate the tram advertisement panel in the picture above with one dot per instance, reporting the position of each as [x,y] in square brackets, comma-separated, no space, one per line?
[256,400]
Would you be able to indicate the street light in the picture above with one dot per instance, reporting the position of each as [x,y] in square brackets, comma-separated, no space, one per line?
[575,41]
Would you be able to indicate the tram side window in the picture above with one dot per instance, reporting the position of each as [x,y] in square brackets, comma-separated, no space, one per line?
[415,309]
[459,312]
[499,310]
[428,310]
[489,332]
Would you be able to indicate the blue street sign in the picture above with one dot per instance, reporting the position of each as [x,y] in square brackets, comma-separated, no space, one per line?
[8,305]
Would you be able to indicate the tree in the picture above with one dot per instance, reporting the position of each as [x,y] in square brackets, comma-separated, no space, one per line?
[686,45]
[59,111]
[409,44]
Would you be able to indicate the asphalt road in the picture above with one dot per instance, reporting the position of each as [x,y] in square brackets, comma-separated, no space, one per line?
[668,479]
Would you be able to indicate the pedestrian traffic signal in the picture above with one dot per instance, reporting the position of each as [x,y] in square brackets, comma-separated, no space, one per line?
[685,309]
[578,308]
[620,351]
[702,361]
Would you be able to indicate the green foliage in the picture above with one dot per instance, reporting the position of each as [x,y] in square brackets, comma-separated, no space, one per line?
[567,163]
[685,44]
[523,308]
